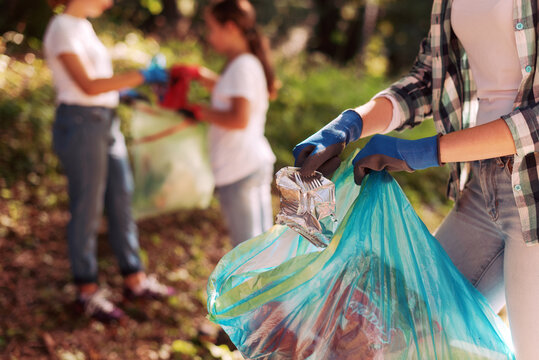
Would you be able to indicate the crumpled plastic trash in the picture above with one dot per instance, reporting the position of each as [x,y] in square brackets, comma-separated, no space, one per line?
[382,289]
[307,205]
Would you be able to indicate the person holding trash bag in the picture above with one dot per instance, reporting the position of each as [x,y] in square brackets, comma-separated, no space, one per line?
[91,148]
[241,157]
[476,76]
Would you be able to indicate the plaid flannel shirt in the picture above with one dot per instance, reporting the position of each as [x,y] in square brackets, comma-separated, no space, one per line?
[440,85]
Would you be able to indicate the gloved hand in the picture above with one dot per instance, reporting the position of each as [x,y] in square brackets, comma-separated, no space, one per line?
[155,73]
[321,150]
[129,95]
[394,154]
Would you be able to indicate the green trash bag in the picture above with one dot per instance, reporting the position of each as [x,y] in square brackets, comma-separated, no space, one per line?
[171,165]
[383,289]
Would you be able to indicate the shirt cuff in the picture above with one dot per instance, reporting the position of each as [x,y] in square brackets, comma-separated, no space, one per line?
[396,119]
[524,128]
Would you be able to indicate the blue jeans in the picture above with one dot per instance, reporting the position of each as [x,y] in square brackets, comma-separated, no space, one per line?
[83,139]
[246,205]
[483,238]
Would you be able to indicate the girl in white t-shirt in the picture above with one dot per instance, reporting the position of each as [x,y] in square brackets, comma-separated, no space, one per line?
[242,159]
[241,156]
[91,148]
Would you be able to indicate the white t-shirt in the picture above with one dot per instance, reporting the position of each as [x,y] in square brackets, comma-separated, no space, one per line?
[236,154]
[67,34]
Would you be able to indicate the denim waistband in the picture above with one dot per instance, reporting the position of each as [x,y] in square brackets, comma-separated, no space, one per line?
[76,106]
[493,176]
[84,108]
[504,162]
[79,114]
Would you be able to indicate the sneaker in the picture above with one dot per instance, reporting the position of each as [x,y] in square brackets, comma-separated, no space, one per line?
[149,289]
[97,306]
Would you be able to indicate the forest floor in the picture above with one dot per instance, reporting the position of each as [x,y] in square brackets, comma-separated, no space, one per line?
[38,319]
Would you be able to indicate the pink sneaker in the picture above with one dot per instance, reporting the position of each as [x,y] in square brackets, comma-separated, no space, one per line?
[149,289]
[97,306]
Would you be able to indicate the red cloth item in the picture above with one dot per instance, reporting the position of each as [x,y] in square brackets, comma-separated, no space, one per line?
[193,111]
[178,89]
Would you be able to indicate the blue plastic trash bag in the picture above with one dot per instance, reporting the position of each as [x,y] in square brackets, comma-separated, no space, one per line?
[171,164]
[382,289]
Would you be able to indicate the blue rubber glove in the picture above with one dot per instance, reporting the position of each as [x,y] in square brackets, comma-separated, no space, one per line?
[394,154]
[155,73]
[130,95]
[320,151]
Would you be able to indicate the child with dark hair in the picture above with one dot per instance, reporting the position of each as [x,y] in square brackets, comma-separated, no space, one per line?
[242,159]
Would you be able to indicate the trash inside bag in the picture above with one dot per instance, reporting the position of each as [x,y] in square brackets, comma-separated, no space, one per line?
[171,165]
[382,289]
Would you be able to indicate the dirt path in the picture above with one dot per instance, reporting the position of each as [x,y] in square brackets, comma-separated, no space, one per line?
[37,316]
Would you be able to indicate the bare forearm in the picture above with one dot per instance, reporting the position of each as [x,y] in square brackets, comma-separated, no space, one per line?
[376,115]
[481,142]
[234,119]
[117,82]
[227,119]
[78,73]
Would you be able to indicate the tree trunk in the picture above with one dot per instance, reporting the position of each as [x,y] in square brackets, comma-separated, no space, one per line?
[329,14]
[370,16]
[353,38]
[171,12]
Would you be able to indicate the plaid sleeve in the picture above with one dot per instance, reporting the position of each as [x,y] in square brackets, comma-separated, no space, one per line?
[414,91]
[524,126]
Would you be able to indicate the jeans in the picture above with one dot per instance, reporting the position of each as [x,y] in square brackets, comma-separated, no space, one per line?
[246,205]
[84,139]
[483,237]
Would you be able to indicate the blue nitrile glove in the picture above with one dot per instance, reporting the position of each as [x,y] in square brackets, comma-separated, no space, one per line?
[155,72]
[130,95]
[394,154]
[320,151]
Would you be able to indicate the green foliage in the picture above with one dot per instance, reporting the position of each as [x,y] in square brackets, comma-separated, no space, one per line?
[154,6]
[403,26]
[26,110]
[184,347]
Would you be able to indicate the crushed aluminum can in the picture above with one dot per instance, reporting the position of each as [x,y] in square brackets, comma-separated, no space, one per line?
[307,205]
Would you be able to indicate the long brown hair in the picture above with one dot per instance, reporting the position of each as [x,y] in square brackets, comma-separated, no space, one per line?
[243,14]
